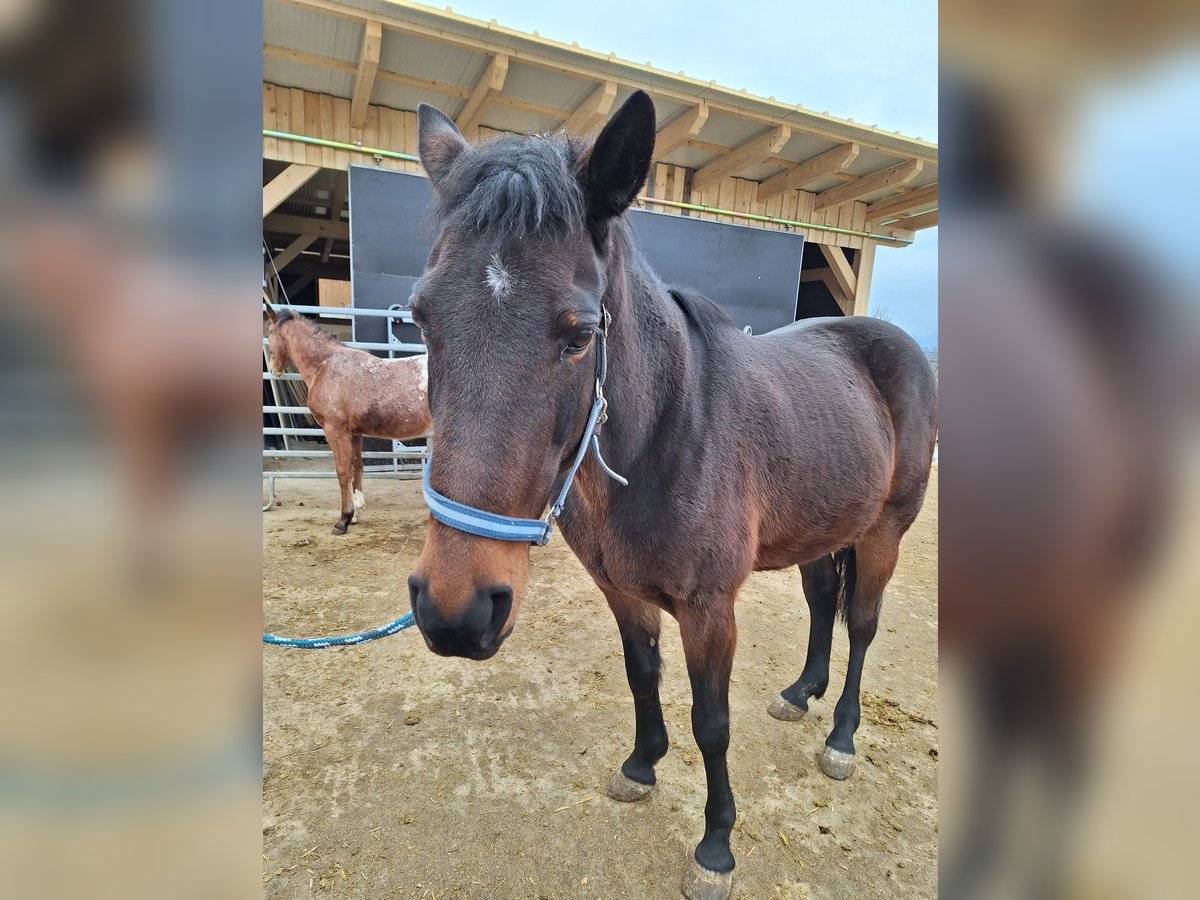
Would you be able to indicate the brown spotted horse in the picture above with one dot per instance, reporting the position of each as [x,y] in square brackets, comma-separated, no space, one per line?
[351,393]
[808,446]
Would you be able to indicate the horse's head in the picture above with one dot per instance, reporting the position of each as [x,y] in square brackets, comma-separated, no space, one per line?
[509,306]
[278,355]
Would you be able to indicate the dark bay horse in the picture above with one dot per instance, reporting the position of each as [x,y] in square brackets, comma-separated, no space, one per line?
[807,446]
[351,393]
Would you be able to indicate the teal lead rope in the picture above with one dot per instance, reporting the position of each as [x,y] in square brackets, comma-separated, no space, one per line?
[349,640]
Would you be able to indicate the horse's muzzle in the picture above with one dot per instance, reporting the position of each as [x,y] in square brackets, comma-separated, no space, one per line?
[475,632]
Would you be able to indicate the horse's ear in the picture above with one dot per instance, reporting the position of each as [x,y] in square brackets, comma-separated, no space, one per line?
[438,141]
[619,161]
[270,312]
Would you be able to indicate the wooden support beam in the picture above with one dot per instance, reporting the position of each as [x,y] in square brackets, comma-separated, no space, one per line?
[916,223]
[684,127]
[864,268]
[285,224]
[893,207]
[810,170]
[869,184]
[593,111]
[751,153]
[839,266]
[490,84]
[285,184]
[294,249]
[368,65]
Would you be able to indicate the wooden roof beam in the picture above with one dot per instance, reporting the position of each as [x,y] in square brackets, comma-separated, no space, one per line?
[285,184]
[593,111]
[810,170]
[683,128]
[896,206]
[288,224]
[751,153]
[490,84]
[869,184]
[368,65]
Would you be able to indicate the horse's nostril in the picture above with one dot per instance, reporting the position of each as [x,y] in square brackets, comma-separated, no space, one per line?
[414,590]
[502,600]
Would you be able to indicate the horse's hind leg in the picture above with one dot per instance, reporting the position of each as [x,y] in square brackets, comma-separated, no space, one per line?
[870,569]
[639,624]
[820,590]
[356,448]
[343,462]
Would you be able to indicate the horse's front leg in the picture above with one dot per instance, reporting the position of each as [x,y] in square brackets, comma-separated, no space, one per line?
[709,638]
[639,624]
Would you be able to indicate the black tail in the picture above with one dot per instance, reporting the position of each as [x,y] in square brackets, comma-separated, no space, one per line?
[845,565]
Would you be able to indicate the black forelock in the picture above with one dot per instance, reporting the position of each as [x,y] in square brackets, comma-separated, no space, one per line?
[515,187]
[283,315]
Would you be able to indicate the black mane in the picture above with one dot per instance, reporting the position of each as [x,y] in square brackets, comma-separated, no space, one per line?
[515,186]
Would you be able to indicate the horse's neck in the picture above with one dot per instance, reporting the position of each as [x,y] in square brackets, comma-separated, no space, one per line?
[309,350]
[648,349]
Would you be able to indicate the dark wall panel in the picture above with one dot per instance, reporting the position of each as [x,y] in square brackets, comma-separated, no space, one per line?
[753,273]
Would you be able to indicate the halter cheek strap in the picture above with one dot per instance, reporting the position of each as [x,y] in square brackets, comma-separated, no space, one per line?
[534,531]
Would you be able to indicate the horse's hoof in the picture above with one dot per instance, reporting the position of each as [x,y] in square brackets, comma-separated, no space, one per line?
[701,884]
[837,764]
[354,520]
[786,711]
[339,529]
[623,788]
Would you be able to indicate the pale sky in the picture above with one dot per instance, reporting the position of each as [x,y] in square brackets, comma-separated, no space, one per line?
[866,60]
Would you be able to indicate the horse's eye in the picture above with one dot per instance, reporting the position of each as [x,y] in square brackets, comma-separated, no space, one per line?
[581,341]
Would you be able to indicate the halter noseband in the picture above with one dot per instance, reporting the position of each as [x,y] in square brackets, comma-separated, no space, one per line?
[534,531]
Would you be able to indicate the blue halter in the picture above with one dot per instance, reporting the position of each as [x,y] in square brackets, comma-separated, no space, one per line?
[534,531]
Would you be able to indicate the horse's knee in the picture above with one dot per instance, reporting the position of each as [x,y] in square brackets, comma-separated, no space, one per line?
[711,731]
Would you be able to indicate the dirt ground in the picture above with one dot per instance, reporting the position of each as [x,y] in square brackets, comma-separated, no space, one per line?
[391,772]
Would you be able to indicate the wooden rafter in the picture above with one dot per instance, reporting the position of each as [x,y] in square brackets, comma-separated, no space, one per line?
[285,184]
[490,84]
[869,184]
[916,223]
[810,170]
[287,224]
[754,151]
[897,206]
[592,111]
[368,65]
[684,127]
